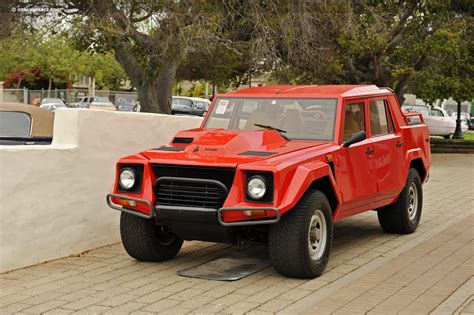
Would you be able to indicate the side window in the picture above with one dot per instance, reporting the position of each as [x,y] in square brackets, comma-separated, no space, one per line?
[183,102]
[436,113]
[378,118]
[14,124]
[354,119]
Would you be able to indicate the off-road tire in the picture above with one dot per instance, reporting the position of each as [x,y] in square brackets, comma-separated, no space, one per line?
[288,240]
[144,241]
[395,218]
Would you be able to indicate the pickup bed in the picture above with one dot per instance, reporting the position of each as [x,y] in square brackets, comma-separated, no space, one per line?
[277,165]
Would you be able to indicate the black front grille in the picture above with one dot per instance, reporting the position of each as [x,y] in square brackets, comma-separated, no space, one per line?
[190,186]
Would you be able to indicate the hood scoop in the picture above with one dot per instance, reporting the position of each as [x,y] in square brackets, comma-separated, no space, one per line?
[182,140]
[258,153]
[165,148]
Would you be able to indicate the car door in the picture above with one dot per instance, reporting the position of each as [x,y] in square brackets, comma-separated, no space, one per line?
[355,173]
[441,125]
[388,150]
[84,102]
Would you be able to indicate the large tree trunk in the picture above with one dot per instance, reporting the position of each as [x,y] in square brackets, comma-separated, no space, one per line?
[164,84]
[154,93]
[147,95]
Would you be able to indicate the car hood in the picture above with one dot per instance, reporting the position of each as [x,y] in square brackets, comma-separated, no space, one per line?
[226,148]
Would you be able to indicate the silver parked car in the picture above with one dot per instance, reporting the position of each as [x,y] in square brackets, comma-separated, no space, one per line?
[183,105]
[94,102]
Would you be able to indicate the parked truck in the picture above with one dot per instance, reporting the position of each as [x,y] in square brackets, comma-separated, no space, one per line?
[277,165]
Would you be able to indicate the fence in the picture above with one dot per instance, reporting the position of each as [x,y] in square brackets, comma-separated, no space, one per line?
[27,96]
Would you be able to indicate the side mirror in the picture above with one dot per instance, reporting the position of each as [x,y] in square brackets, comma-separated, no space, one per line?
[357,137]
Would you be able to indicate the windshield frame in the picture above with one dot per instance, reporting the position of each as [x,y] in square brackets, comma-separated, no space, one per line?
[213,107]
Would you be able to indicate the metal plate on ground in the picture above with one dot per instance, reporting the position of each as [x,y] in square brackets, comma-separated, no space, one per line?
[231,267]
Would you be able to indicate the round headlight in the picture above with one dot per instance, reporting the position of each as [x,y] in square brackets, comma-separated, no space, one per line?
[256,187]
[127,178]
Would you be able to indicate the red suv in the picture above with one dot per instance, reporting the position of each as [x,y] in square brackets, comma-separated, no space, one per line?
[277,165]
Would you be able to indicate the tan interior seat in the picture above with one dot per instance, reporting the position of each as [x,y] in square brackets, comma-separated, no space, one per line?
[293,123]
[259,117]
[351,125]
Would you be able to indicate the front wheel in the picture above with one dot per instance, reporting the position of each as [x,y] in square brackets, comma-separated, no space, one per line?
[144,240]
[404,216]
[301,242]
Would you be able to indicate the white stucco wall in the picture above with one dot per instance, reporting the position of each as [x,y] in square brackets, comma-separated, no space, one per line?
[52,198]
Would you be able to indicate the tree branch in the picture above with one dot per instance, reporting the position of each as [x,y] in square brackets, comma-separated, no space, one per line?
[396,35]
[128,62]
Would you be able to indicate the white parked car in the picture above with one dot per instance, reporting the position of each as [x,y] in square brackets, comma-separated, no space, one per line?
[94,102]
[51,104]
[438,121]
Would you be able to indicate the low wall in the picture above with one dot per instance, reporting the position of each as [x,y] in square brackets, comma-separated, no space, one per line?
[52,198]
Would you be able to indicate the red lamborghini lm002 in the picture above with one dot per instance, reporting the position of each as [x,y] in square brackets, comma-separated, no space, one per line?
[277,165]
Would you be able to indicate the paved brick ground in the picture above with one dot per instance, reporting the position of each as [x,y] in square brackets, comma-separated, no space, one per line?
[369,272]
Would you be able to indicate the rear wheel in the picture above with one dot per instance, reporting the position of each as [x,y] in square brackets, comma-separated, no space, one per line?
[300,243]
[144,240]
[404,215]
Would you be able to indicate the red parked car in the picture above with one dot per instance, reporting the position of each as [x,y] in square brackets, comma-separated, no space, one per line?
[277,165]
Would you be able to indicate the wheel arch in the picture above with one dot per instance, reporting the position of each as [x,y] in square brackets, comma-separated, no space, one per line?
[418,160]
[325,185]
[312,175]
[418,165]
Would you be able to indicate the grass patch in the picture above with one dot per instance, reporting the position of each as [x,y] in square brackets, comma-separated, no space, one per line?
[468,136]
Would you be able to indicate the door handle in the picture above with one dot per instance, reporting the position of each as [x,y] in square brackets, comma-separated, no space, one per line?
[399,144]
[369,151]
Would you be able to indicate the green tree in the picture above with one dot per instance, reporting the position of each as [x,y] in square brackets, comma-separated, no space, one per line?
[217,64]
[105,70]
[18,55]
[149,38]
[57,60]
[451,75]
[360,42]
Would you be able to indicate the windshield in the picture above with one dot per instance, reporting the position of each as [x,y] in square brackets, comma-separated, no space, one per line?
[300,118]
[52,101]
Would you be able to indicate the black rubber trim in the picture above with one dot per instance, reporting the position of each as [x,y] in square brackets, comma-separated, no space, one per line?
[258,153]
[182,140]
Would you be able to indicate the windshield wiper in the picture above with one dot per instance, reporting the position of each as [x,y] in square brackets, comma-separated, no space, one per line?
[281,131]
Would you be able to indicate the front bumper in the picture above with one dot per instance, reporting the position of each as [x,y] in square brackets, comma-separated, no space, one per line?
[191,214]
